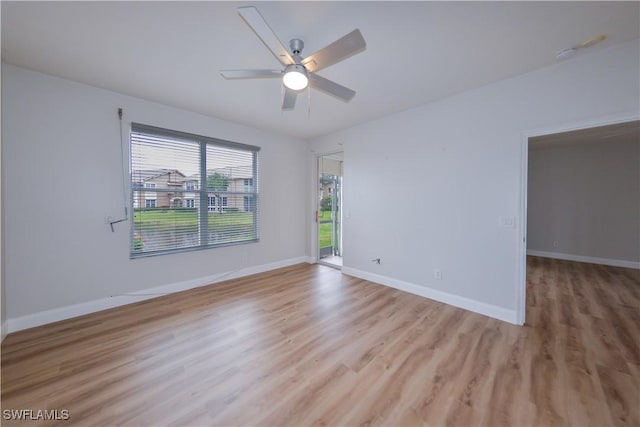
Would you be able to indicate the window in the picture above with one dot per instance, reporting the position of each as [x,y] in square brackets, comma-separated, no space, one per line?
[207,168]
[247,205]
[248,184]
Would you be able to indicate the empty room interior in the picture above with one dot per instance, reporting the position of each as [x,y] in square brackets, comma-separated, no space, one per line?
[320,213]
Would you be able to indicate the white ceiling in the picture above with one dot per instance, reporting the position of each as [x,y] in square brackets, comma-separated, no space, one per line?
[417,52]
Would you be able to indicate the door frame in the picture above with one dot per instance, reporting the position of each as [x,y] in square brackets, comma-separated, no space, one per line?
[315,208]
[521,291]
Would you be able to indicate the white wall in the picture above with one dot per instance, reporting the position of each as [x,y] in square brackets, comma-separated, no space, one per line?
[585,197]
[62,177]
[459,163]
[3,299]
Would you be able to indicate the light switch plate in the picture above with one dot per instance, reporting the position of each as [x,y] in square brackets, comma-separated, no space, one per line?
[508,221]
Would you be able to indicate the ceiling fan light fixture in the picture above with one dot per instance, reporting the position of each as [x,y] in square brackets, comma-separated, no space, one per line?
[295,77]
[299,73]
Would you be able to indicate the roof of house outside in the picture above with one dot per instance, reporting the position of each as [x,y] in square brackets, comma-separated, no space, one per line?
[145,175]
[235,172]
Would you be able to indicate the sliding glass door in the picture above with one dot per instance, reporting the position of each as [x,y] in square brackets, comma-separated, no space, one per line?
[329,209]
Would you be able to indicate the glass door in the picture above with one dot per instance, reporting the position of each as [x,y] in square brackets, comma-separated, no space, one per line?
[329,209]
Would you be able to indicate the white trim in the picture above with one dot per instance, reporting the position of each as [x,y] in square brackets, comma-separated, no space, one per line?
[315,208]
[315,237]
[328,264]
[521,290]
[589,259]
[62,313]
[494,311]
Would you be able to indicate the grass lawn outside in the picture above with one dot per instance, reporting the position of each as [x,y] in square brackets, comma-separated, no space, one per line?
[325,230]
[150,222]
[160,229]
[188,218]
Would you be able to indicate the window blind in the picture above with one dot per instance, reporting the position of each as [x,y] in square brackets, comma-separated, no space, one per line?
[190,192]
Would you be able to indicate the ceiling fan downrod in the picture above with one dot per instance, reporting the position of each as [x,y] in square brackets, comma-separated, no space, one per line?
[296,46]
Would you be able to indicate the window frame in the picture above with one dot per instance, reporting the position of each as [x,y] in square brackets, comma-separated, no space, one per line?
[200,192]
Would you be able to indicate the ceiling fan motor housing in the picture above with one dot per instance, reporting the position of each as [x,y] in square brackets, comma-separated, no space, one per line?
[296,46]
[298,73]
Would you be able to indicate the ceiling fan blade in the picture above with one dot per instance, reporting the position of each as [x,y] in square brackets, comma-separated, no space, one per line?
[289,100]
[250,74]
[331,88]
[264,32]
[340,49]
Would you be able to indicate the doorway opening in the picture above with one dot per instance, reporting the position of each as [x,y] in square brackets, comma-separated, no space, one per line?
[330,167]
[580,197]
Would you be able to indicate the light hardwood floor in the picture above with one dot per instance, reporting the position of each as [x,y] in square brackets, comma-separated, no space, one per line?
[306,345]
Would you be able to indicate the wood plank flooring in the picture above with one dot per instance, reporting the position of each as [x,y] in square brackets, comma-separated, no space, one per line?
[306,345]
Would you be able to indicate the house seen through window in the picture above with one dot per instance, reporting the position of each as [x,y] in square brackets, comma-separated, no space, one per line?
[190,192]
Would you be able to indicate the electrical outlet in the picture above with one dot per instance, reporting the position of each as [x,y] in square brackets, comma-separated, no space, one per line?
[555,244]
[437,274]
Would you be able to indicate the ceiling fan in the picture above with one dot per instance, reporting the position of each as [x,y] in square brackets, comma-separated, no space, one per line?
[298,72]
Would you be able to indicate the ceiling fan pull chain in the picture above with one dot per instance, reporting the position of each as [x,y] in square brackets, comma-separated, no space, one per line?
[309,102]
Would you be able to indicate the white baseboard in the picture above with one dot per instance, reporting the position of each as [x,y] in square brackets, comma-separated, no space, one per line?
[589,259]
[494,311]
[67,312]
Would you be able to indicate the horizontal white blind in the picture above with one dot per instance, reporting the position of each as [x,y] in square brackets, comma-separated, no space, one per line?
[190,192]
